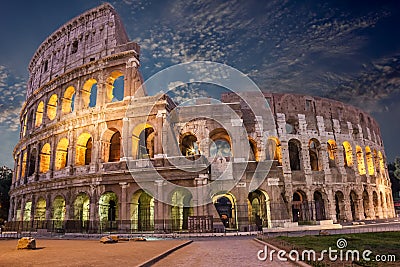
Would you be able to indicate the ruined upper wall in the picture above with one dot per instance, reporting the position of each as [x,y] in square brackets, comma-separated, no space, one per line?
[88,37]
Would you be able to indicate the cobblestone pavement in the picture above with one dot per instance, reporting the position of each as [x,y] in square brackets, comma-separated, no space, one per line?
[219,252]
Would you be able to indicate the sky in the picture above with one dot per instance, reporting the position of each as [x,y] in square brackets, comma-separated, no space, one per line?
[345,50]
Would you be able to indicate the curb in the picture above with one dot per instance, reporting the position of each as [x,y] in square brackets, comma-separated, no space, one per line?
[298,263]
[155,259]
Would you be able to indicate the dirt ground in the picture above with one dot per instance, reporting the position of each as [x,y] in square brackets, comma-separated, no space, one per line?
[83,252]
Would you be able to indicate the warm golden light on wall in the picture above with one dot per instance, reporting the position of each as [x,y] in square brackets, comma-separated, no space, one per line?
[110,84]
[61,154]
[83,149]
[370,161]
[52,107]
[87,91]
[39,114]
[45,159]
[360,160]
[67,105]
[348,154]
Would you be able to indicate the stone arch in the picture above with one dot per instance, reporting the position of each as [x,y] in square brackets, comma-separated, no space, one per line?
[381,164]
[32,161]
[40,209]
[23,164]
[143,141]
[89,93]
[347,154]
[181,208]
[225,204]
[68,100]
[314,151]
[274,151]
[253,151]
[375,201]
[360,161]
[332,150]
[188,144]
[300,207]
[61,154]
[383,203]
[26,217]
[112,145]
[115,86]
[340,206]
[142,211]
[366,204]
[58,213]
[108,207]
[52,107]
[354,205]
[84,146]
[45,158]
[39,114]
[370,160]
[294,146]
[259,209]
[319,204]
[82,209]
[220,145]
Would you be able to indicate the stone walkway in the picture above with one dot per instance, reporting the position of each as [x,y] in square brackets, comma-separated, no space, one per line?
[219,252]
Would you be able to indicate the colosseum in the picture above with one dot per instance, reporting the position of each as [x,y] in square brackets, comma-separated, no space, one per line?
[326,161]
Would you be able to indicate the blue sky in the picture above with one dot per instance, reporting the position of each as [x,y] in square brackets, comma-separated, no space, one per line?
[346,50]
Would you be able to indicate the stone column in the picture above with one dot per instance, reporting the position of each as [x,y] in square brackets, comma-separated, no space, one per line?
[11,209]
[48,208]
[159,132]
[123,213]
[360,205]
[159,208]
[126,140]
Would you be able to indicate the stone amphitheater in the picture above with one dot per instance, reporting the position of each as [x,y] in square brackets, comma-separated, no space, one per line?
[326,161]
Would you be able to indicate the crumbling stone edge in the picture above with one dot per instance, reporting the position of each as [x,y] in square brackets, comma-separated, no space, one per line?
[157,258]
[298,263]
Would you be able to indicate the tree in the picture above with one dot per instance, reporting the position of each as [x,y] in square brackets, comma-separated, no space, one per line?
[5,184]
[396,171]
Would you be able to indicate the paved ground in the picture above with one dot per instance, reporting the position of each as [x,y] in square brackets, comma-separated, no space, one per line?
[233,251]
[82,253]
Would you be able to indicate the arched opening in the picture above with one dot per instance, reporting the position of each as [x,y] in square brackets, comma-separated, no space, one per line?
[115,147]
[347,154]
[52,107]
[61,154]
[89,93]
[300,207]
[354,205]
[32,162]
[83,150]
[319,206]
[331,147]
[108,209]
[225,205]
[188,145]
[383,204]
[30,122]
[58,212]
[45,158]
[259,209]
[40,210]
[370,160]
[181,209]
[253,151]
[23,165]
[360,161]
[221,143]
[82,209]
[115,87]
[381,164]
[142,211]
[314,148]
[367,212]
[294,154]
[39,114]
[145,143]
[274,150]
[68,100]
[376,162]
[340,206]
[27,211]
[376,204]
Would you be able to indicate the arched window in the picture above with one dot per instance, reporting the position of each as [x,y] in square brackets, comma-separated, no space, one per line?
[83,149]
[274,150]
[331,147]
[347,154]
[314,153]
[89,93]
[381,163]
[68,100]
[39,114]
[45,158]
[370,160]
[360,160]
[115,147]
[32,162]
[52,107]
[294,154]
[115,87]
[221,143]
[189,145]
[61,154]
[23,167]
[143,141]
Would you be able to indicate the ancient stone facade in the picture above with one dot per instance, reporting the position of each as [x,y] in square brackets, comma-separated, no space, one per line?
[328,160]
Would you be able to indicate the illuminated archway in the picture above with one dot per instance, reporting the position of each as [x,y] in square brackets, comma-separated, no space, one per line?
[347,154]
[188,145]
[274,150]
[52,107]
[115,87]
[45,158]
[61,154]
[82,209]
[381,163]
[142,211]
[181,209]
[370,160]
[259,209]
[221,143]
[89,93]
[108,207]
[225,205]
[40,210]
[39,114]
[83,149]
[27,211]
[68,100]
[331,147]
[23,165]
[360,161]
[58,211]
[314,149]
[143,141]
